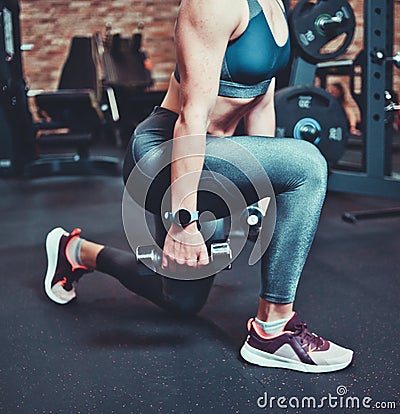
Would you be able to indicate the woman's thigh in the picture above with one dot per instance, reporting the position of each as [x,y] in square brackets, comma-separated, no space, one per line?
[249,160]
[247,167]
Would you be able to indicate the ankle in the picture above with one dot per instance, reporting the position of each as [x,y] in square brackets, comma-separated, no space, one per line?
[274,327]
[73,252]
[89,252]
[271,312]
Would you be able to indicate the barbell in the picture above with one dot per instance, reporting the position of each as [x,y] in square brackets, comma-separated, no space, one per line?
[322,30]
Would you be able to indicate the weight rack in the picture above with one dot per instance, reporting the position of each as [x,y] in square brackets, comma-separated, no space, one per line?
[378,34]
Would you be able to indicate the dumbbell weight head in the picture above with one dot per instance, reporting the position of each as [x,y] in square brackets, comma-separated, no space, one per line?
[221,255]
[250,220]
[149,256]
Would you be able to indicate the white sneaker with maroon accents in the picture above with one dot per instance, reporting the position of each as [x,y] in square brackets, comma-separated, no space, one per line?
[294,348]
[61,274]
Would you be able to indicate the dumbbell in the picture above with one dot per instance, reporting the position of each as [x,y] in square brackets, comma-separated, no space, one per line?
[220,256]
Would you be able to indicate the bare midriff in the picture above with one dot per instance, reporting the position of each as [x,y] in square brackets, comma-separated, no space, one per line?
[226,114]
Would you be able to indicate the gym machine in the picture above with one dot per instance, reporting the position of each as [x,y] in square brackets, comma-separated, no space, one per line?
[126,79]
[71,118]
[305,112]
[16,127]
[82,108]
[73,108]
[321,32]
[377,78]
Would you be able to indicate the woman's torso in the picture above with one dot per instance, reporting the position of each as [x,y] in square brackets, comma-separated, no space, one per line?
[229,110]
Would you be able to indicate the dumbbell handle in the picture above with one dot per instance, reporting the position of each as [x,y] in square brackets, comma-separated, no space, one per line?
[151,256]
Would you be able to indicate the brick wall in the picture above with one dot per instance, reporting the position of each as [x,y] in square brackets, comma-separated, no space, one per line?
[50,24]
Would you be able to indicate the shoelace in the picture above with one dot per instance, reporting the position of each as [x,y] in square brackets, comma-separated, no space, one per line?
[65,283]
[306,337]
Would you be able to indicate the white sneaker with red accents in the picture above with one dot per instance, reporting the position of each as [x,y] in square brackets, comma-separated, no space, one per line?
[61,274]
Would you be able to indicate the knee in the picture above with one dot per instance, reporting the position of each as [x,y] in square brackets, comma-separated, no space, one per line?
[319,165]
[186,297]
[315,170]
[184,307]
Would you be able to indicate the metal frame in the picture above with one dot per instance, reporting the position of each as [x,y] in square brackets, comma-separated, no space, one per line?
[374,181]
[302,73]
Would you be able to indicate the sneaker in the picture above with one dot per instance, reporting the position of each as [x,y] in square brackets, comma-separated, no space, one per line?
[61,274]
[294,348]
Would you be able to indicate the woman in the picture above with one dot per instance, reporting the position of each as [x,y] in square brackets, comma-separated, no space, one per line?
[337,90]
[228,52]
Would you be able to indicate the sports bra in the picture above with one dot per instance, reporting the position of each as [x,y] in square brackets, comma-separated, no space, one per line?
[251,60]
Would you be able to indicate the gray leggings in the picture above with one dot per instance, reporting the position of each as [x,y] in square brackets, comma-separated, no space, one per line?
[298,174]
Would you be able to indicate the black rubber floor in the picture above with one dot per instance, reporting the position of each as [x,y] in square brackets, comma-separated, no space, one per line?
[112,352]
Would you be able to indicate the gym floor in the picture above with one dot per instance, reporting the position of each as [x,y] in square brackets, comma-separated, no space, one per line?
[113,352]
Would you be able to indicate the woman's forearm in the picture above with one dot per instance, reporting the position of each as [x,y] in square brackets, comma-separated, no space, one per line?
[187,163]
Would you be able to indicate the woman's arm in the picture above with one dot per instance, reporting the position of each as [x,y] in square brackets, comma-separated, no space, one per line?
[261,121]
[352,117]
[202,32]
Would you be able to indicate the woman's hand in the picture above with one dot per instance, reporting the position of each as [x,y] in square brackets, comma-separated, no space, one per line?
[355,131]
[184,247]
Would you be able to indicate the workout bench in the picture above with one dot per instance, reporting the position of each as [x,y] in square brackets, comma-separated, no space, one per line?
[73,115]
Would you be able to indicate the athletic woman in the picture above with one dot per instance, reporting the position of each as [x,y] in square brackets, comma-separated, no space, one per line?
[228,54]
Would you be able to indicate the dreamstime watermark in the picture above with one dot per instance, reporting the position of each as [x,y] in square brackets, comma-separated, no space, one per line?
[147,196]
[331,401]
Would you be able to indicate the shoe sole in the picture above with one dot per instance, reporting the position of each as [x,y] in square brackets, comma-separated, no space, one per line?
[265,359]
[52,247]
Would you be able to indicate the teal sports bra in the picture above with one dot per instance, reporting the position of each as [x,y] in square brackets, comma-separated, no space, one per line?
[251,60]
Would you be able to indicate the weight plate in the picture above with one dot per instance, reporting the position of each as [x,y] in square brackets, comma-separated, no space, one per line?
[307,28]
[307,106]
